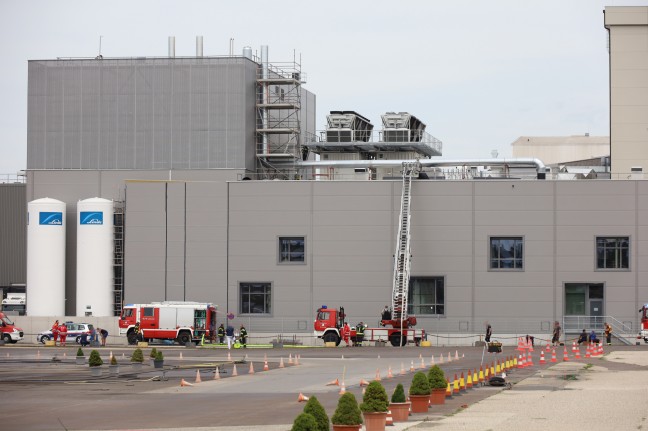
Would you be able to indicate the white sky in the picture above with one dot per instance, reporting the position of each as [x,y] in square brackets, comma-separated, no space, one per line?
[478,73]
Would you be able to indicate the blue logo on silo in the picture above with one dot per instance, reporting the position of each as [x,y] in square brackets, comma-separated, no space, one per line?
[50,218]
[91,217]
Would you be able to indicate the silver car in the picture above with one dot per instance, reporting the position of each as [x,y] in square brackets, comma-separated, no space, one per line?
[74,333]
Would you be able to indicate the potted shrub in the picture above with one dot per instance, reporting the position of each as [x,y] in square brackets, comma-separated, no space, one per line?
[305,422]
[399,406]
[438,385]
[114,366]
[95,363]
[347,415]
[136,359]
[153,354]
[375,404]
[80,357]
[158,362]
[315,409]
[420,393]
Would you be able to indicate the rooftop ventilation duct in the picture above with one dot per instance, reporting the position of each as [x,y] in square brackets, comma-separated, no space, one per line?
[199,46]
[171,46]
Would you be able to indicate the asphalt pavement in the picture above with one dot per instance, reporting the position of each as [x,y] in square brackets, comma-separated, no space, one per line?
[42,389]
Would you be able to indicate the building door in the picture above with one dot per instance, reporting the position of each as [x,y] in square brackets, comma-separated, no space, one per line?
[583,306]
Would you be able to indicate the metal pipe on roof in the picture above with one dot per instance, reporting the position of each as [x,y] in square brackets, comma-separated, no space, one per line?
[540,166]
[199,46]
[171,46]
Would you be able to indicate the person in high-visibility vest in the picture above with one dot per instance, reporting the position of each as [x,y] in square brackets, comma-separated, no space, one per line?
[221,334]
[55,331]
[359,334]
[63,333]
[243,336]
[346,334]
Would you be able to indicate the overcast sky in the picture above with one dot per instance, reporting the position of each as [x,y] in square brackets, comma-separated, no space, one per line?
[478,73]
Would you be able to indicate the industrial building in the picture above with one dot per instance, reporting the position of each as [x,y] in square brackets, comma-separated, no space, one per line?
[224,191]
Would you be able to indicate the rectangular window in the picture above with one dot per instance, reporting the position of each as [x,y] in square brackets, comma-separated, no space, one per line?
[426,296]
[255,298]
[148,312]
[507,253]
[291,249]
[613,252]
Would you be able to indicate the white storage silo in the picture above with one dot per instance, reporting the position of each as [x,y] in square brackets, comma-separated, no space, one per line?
[95,257]
[46,257]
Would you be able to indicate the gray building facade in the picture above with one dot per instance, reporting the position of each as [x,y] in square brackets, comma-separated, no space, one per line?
[580,248]
[13,235]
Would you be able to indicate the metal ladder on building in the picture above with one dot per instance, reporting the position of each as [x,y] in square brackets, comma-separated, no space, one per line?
[403,256]
[118,257]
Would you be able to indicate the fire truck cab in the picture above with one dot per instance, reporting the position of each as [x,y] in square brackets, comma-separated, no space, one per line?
[180,321]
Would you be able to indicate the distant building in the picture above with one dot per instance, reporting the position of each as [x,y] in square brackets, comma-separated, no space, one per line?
[561,149]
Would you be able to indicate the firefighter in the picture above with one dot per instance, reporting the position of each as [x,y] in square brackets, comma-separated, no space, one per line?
[243,336]
[63,333]
[359,334]
[55,331]
[221,334]
[346,334]
[138,332]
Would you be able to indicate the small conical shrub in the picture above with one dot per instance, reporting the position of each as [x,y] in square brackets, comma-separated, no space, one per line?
[375,398]
[305,422]
[159,356]
[95,359]
[113,360]
[315,409]
[347,411]
[436,378]
[153,353]
[137,355]
[80,353]
[420,384]
[399,394]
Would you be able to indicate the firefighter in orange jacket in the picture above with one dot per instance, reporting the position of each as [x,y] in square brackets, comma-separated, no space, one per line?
[63,333]
[55,331]
[346,334]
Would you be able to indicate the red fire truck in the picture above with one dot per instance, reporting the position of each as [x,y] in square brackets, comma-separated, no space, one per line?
[180,321]
[644,323]
[329,322]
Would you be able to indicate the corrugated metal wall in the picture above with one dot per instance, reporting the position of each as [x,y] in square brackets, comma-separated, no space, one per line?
[13,234]
[163,113]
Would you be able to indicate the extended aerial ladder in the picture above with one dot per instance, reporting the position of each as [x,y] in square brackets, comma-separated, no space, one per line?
[403,255]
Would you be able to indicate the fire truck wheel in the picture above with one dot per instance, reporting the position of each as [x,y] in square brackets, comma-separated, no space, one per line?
[184,338]
[7,338]
[331,337]
[132,338]
[396,340]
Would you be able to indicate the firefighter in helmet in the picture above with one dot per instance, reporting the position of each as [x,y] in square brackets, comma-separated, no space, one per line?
[137,331]
[221,334]
[243,336]
[360,328]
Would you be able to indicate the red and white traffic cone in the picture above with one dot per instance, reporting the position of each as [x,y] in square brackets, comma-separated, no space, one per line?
[565,357]
[542,358]
[553,355]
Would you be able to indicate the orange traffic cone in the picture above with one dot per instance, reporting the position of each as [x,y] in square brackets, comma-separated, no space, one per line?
[553,355]
[449,358]
[448,388]
[296,359]
[481,374]
[462,383]
[521,347]
[290,361]
[251,370]
[389,373]
[301,398]
[281,364]
[229,356]
[455,385]
[565,357]
[342,388]
[574,348]
[234,372]
[389,420]
[456,355]
[469,383]
[529,361]
[521,362]
[412,366]
[377,376]
[363,382]
[432,361]
[402,369]
[578,356]
[600,349]
[198,379]
[587,352]
[548,348]
[217,374]
[440,359]
[422,364]
[335,382]
[183,382]
[542,358]
[265,366]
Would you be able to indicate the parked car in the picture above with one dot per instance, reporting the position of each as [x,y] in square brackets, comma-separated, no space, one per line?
[73,335]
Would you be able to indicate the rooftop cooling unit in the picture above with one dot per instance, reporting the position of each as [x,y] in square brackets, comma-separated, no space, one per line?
[347,126]
[402,127]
